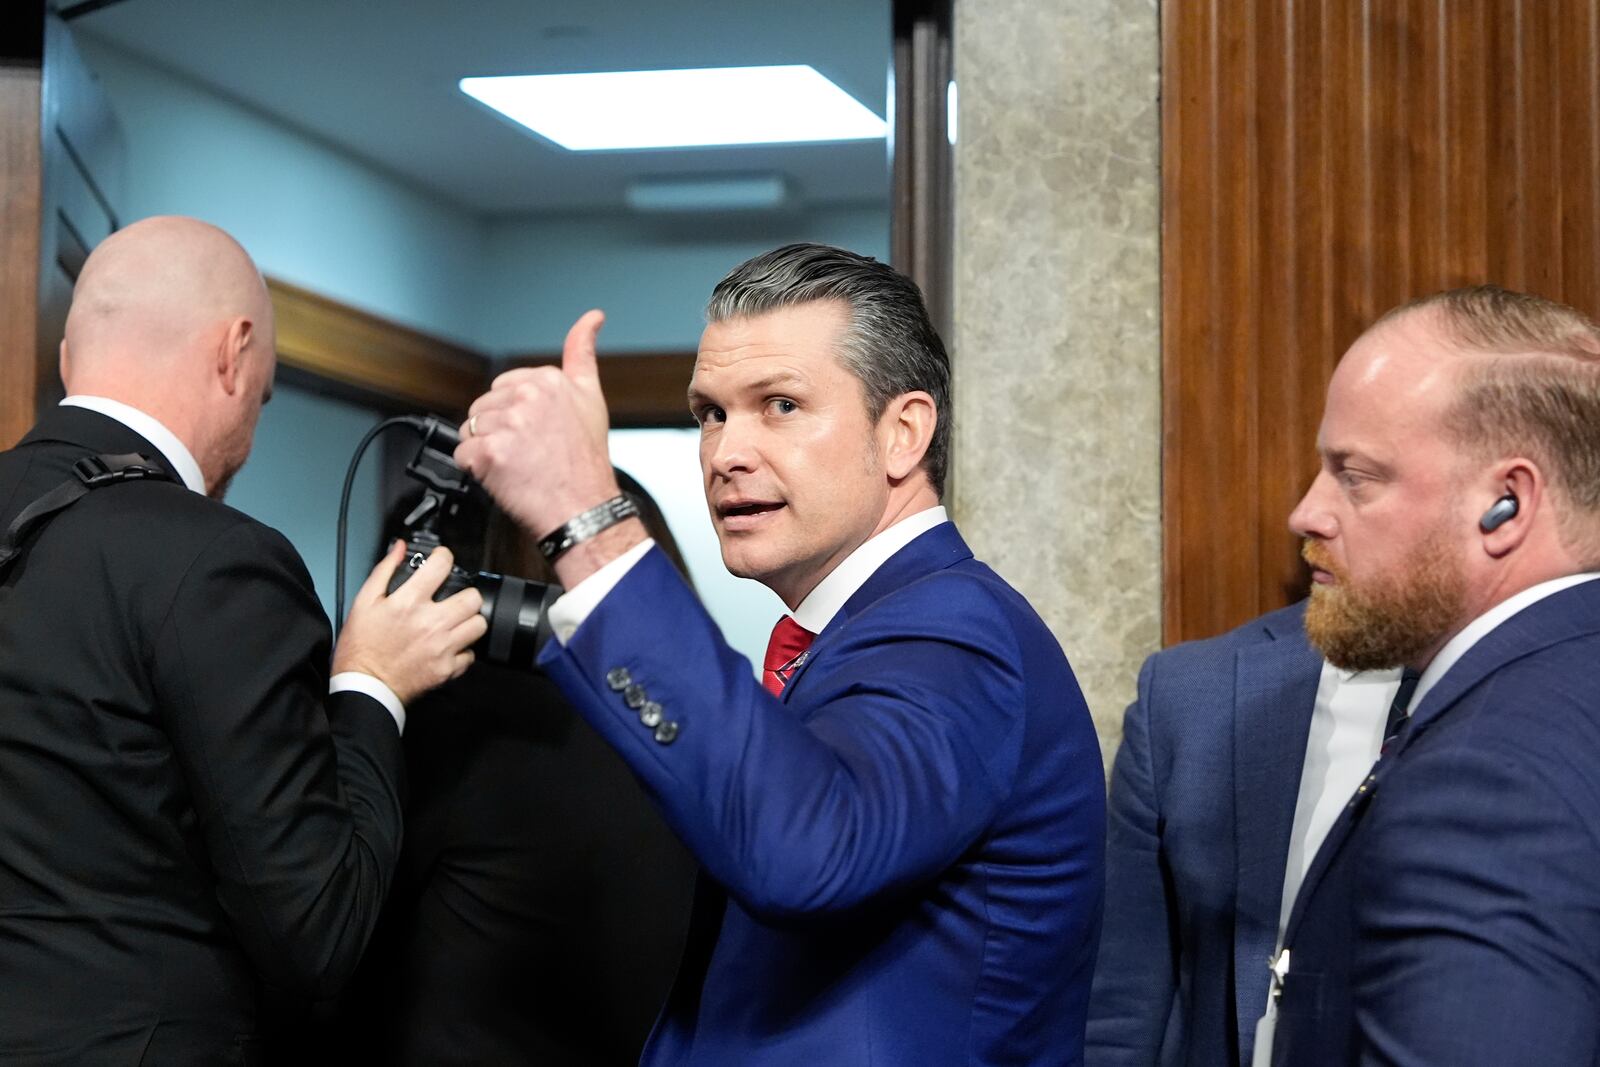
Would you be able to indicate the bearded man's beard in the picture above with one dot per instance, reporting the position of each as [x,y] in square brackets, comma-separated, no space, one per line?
[1386,623]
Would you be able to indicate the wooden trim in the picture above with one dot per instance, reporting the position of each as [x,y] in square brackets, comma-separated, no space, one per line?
[388,362]
[21,361]
[642,389]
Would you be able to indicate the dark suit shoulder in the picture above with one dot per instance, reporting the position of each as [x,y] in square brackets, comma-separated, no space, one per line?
[1537,713]
[167,521]
[1284,624]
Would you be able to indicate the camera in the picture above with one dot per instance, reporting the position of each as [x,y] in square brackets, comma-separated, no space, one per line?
[516,609]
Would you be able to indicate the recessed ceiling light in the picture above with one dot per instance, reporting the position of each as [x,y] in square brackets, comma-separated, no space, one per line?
[680,108]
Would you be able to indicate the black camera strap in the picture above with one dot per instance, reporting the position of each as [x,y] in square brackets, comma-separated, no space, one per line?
[90,472]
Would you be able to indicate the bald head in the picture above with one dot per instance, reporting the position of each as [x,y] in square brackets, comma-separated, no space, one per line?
[171,316]
[148,292]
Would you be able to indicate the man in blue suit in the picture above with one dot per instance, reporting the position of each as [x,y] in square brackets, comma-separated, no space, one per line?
[1452,916]
[1235,759]
[903,830]
[1202,803]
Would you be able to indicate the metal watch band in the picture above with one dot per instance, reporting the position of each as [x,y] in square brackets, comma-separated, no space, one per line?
[582,527]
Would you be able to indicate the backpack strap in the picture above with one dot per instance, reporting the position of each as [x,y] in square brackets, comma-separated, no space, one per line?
[90,472]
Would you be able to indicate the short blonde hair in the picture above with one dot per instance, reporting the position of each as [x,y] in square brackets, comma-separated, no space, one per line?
[1538,393]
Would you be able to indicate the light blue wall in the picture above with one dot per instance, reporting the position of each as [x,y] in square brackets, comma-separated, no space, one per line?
[319,218]
[293,477]
[652,277]
[308,213]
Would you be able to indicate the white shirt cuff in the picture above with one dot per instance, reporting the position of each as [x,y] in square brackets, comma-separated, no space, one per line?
[575,605]
[355,681]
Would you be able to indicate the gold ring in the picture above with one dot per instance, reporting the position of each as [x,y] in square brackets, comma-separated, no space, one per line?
[472,426]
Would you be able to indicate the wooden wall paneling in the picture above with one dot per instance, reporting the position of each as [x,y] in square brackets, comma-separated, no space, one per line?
[1323,161]
[643,389]
[21,198]
[1190,396]
[1464,95]
[1504,161]
[1280,72]
[1578,134]
[372,357]
[1539,150]
[1238,90]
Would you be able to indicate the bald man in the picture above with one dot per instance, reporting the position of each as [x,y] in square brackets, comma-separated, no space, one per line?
[192,815]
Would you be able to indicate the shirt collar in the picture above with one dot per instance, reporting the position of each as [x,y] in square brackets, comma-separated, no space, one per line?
[1484,624]
[823,603]
[179,458]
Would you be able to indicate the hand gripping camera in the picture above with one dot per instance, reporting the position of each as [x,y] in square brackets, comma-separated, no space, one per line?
[517,610]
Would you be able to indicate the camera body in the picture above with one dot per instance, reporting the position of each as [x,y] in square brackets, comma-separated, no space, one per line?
[516,609]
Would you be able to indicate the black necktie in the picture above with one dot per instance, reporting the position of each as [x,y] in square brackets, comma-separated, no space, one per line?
[1399,707]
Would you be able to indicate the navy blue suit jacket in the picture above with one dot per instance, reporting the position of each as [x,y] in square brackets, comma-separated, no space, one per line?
[907,849]
[1452,916]
[1202,805]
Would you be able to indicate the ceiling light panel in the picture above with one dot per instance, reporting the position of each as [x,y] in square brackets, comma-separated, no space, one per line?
[680,108]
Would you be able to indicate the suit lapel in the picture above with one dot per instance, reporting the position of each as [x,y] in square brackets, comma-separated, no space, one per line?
[934,550]
[1563,616]
[1275,689]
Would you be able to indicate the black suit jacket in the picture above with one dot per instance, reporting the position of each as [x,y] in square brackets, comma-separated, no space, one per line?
[541,902]
[1452,915]
[186,817]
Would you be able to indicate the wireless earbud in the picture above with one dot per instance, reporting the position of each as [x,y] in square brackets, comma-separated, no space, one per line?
[1500,513]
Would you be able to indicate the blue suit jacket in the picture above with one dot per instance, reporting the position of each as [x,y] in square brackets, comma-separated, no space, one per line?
[1202,805]
[1452,916]
[909,845]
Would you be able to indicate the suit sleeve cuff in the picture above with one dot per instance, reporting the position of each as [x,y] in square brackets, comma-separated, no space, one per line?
[356,682]
[576,604]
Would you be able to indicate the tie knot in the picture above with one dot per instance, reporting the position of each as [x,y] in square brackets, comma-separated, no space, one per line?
[789,641]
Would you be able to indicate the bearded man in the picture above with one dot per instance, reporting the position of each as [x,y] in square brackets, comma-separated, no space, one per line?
[1236,758]
[1452,915]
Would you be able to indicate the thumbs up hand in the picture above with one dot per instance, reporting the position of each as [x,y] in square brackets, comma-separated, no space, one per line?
[537,442]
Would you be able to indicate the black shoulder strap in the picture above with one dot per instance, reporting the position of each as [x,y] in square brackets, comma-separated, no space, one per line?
[90,472]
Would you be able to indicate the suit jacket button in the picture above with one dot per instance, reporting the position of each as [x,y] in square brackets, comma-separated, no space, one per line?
[634,696]
[667,732]
[650,714]
[618,679]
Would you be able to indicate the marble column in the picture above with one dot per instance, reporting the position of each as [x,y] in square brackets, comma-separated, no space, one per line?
[1056,344]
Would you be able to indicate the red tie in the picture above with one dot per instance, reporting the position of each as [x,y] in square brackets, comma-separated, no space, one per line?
[788,643]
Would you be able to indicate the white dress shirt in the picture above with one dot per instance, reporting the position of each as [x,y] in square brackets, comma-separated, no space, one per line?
[815,611]
[1346,735]
[181,460]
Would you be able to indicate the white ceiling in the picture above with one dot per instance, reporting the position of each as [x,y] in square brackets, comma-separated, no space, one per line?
[378,78]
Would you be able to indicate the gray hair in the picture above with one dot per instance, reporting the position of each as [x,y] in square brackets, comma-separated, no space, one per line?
[890,344]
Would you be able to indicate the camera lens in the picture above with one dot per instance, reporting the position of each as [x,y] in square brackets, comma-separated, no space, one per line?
[518,613]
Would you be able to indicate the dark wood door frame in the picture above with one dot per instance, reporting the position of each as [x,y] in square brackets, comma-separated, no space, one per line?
[920,152]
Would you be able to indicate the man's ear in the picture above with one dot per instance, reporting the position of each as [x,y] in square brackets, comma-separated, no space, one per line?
[905,432]
[62,362]
[230,352]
